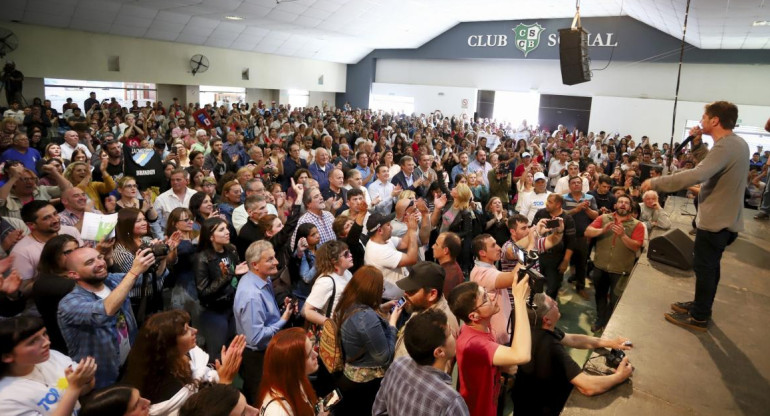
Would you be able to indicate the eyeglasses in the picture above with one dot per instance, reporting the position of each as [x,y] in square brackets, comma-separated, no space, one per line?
[131,185]
[347,253]
[185,220]
[488,297]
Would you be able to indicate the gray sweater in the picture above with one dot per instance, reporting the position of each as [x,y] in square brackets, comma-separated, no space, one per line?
[722,175]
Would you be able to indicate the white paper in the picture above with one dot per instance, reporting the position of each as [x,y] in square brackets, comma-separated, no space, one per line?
[97,227]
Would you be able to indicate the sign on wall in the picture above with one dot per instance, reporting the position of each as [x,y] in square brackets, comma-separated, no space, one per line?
[527,38]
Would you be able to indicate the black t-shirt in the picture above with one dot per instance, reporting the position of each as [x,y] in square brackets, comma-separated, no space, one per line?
[557,251]
[115,171]
[47,291]
[543,384]
[343,193]
[146,174]
[607,200]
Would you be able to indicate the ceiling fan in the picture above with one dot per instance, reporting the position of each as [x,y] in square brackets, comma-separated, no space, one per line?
[8,41]
[199,63]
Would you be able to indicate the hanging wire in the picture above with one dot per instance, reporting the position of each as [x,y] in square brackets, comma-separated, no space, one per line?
[612,52]
[678,79]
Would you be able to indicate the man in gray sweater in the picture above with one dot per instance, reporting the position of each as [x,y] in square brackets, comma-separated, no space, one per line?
[722,175]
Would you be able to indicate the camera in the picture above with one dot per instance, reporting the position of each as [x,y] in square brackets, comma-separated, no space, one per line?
[554,223]
[614,358]
[536,279]
[158,249]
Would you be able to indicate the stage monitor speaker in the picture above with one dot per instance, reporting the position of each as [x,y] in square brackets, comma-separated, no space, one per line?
[673,248]
[573,56]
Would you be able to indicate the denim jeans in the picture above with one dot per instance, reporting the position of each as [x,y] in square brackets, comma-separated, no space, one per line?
[765,205]
[217,329]
[709,247]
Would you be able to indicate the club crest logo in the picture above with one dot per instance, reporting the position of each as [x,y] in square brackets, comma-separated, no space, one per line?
[527,37]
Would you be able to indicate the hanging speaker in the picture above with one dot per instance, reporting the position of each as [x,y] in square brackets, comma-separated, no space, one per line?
[573,56]
[673,248]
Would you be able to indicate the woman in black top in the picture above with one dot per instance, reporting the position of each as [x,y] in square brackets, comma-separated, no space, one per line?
[217,271]
[496,221]
[52,285]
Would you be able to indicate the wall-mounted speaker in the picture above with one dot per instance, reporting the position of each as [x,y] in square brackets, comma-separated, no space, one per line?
[573,56]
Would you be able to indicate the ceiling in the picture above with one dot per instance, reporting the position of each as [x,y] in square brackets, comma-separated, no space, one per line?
[347,30]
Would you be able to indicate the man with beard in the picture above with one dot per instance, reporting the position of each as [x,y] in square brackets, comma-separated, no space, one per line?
[423,290]
[619,237]
[96,318]
[44,224]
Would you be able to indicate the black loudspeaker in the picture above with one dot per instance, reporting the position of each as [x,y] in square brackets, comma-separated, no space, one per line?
[673,248]
[573,55]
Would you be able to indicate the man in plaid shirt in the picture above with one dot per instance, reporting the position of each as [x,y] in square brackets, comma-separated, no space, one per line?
[96,318]
[417,385]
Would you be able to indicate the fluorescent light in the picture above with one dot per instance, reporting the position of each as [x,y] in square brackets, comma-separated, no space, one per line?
[761,23]
[233,18]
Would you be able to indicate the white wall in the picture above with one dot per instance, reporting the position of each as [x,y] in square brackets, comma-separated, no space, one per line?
[429,98]
[744,84]
[640,117]
[253,95]
[317,98]
[61,53]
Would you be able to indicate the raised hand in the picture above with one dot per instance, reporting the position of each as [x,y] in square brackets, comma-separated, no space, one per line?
[231,359]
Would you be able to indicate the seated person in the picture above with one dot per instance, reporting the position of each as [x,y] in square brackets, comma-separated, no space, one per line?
[543,385]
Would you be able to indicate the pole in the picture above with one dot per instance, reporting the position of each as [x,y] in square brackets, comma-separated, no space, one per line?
[678,80]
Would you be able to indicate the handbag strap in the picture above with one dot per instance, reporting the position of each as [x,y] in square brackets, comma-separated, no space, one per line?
[331,299]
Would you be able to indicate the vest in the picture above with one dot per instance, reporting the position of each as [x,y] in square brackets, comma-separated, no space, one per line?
[611,254]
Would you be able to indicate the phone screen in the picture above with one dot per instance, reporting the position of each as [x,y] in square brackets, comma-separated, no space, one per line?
[332,399]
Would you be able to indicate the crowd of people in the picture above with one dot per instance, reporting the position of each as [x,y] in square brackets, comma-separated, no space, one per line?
[235,244]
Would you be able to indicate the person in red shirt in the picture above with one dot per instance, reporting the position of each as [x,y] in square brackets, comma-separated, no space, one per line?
[480,359]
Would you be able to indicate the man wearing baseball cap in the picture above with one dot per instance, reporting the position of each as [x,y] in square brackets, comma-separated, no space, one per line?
[529,203]
[391,254]
[423,291]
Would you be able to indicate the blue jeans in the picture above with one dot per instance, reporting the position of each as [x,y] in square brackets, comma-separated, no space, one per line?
[765,206]
[709,247]
[217,329]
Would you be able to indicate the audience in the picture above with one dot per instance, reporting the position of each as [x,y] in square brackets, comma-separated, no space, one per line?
[330,228]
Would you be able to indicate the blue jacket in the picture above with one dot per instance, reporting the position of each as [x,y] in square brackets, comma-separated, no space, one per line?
[367,339]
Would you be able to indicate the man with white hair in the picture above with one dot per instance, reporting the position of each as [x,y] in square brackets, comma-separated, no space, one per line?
[202,143]
[652,214]
[72,142]
[344,161]
[320,168]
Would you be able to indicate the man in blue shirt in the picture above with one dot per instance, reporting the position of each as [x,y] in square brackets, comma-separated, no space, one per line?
[96,318]
[257,316]
[22,152]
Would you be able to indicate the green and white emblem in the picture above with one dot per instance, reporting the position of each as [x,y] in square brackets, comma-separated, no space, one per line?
[527,37]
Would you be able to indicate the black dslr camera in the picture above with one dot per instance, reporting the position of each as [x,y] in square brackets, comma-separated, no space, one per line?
[158,249]
[614,358]
[536,279]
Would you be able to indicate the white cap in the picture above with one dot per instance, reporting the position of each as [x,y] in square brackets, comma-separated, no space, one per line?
[526,154]
[539,175]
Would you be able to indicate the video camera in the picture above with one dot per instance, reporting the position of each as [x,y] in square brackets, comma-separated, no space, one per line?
[158,249]
[536,279]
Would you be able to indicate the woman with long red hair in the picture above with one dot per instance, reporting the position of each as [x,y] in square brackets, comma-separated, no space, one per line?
[289,359]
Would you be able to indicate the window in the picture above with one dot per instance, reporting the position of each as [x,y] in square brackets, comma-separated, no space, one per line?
[227,96]
[58,90]
[299,98]
[514,107]
[392,103]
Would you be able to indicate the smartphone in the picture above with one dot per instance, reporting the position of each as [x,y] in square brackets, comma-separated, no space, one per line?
[399,304]
[552,223]
[332,399]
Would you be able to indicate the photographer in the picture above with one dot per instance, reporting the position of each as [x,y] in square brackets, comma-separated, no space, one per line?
[132,232]
[554,262]
[543,384]
[499,180]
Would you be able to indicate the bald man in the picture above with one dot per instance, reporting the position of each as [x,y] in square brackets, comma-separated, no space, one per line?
[96,318]
[320,168]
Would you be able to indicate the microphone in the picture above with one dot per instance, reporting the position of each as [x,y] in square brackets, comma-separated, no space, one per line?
[684,143]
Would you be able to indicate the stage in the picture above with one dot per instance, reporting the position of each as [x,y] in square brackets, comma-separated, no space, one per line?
[681,372]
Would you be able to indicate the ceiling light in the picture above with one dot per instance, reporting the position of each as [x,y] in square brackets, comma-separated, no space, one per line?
[233,18]
[761,23]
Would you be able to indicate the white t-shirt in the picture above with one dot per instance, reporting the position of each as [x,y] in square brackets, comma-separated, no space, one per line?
[322,290]
[530,202]
[39,392]
[386,258]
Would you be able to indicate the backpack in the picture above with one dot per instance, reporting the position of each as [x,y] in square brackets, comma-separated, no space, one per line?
[330,348]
